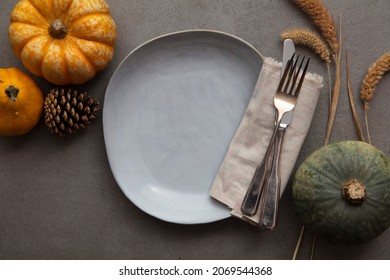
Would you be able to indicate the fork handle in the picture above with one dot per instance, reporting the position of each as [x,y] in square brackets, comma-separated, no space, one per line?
[269,204]
[251,200]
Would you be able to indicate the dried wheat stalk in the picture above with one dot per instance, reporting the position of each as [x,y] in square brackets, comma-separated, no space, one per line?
[336,91]
[308,38]
[371,80]
[352,99]
[322,19]
[298,243]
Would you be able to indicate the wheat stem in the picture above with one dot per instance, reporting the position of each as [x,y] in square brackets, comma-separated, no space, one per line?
[336,92]
[329,86]
[352,100]
[313,247]
[366,123]
[298,245]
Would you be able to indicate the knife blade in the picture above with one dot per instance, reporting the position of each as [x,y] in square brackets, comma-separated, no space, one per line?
[288,51]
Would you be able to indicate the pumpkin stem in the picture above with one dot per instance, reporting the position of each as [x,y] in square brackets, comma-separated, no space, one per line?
[12,92]
[354,192]
[57,29]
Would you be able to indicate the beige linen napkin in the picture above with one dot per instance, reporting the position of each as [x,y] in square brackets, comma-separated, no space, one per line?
[250,142]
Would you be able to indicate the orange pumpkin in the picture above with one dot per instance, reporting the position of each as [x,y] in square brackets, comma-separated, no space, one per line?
[64,41]
[21,102]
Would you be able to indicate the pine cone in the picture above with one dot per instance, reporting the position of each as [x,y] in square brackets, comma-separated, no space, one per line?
[66,111]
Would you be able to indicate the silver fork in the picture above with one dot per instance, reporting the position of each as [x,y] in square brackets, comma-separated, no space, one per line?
[269,203]
[284,101]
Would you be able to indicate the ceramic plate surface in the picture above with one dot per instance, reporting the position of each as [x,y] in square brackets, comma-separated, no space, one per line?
[170,111]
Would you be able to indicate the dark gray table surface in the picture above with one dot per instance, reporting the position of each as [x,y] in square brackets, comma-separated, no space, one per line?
[59,200]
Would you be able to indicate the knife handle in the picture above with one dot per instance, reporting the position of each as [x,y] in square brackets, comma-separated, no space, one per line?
[251,200]
[269,204]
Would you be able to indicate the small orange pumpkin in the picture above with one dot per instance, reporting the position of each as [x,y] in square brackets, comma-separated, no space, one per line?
[21,102]
[64,41]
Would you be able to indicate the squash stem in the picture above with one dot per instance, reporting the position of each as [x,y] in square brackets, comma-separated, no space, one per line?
[354,192]
[12,92]
[57,29]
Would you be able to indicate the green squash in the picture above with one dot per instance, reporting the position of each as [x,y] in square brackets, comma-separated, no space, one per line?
[342,192]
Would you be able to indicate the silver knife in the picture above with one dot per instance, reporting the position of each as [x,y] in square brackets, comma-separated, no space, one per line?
[253,196]
[269,203]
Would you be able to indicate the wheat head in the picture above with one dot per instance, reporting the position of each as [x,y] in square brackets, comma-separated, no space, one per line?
[308,38]
[322,19]
[373,76]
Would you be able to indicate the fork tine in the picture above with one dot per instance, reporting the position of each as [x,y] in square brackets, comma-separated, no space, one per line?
[291,74]
[302,77]
[296,76]
[285,72]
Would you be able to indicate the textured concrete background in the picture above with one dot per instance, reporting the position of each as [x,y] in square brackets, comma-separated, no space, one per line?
[58,199]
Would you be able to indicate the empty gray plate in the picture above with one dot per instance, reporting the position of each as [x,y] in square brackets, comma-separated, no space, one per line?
[170,111]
